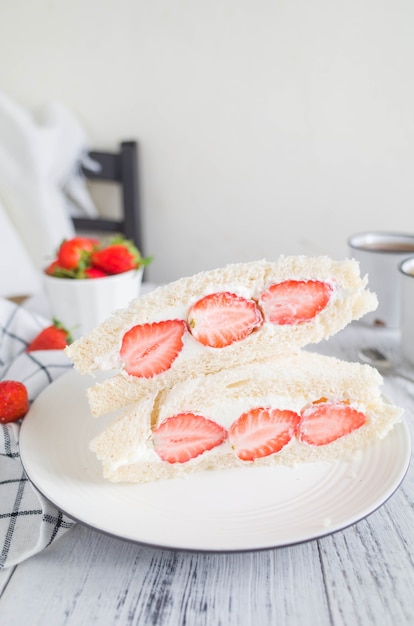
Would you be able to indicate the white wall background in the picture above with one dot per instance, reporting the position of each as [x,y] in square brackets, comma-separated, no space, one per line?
[265,126]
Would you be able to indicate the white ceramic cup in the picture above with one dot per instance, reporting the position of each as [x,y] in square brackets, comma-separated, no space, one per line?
[407,309]
[379,255]
[82,304]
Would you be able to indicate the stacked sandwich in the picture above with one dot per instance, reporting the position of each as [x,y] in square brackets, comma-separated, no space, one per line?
[210,372]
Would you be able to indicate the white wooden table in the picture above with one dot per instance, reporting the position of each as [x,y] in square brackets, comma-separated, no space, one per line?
[363,575]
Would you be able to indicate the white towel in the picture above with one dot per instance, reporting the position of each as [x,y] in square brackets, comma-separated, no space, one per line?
[28,522]
[40,187]
[18,275]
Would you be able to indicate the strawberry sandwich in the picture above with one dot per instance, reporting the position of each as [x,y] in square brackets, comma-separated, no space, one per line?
[210,373]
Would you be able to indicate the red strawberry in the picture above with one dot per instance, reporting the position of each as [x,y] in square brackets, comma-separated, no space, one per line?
[52,268]
[92,272]
[114,259]
[220,319]
[54,337]
[74,253]
[185,436]
[14,401]
[149,349]
[262,431]
[324,422]
[294,301]
[120,255]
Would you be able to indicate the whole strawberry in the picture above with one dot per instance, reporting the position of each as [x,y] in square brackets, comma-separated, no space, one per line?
[54,269]
[74,253]
[92,272]
[54,337]
[119,256]
[14,401]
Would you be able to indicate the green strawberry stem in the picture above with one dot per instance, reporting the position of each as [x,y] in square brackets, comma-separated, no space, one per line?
[60,326]
[131,247]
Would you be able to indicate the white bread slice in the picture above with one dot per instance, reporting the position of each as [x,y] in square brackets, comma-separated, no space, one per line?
[292,382]
[100,348]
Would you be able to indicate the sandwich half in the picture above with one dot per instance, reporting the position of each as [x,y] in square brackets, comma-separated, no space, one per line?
[302,407]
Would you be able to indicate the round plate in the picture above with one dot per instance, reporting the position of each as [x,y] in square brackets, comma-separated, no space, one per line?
[220,511]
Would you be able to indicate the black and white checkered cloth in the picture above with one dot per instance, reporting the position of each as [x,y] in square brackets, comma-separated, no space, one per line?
[28,523]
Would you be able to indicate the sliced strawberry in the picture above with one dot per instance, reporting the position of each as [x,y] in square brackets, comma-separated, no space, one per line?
[325,422]
[294,301]
[149,349]
[220,319]
[185,436]
[262,431]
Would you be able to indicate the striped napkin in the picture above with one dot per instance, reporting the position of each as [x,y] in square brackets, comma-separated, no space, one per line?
[28,522]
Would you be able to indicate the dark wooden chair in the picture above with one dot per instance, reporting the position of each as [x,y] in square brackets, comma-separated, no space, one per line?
[121,168]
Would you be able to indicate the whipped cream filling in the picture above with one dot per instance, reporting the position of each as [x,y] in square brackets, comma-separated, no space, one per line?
[143,453]
[224,410]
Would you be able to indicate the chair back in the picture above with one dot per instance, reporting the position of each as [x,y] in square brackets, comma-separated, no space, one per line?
[122,168]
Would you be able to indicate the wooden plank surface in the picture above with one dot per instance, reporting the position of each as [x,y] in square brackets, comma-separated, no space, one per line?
[363,575]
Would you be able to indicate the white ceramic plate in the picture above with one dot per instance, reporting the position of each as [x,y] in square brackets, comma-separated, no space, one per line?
[224,511]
